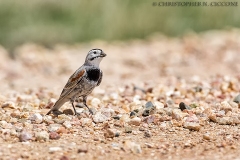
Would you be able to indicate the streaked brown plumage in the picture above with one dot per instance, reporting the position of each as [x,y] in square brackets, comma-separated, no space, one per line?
[82,82]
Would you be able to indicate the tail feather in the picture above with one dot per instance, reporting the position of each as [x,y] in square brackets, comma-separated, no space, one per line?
[57,105]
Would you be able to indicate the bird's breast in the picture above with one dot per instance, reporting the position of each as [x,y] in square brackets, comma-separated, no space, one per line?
[93,74]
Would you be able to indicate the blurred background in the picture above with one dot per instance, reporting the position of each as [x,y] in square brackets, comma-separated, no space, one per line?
[50,22]
[42,42]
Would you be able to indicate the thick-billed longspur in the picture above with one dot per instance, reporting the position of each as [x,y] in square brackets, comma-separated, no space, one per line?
[82,82]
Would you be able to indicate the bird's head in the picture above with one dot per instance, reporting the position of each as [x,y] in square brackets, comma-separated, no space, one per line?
[94,57]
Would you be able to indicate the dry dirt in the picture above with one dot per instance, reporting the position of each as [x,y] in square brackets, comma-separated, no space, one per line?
[136,108]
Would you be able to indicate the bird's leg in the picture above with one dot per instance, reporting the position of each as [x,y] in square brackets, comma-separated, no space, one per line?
[75,112]
[85,104]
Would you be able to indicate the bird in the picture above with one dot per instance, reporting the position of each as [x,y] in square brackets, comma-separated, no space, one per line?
[82,82]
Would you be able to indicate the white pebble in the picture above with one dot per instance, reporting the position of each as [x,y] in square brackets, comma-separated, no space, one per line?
[99,118]
[54,149]
[67,124]
[37,118]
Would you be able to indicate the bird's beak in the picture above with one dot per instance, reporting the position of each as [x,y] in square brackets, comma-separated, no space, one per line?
[103,54]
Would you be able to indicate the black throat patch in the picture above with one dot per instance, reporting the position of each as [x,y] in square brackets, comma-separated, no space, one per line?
[93,74]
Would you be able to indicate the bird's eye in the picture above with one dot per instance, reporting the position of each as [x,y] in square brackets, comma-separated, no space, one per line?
[94,52]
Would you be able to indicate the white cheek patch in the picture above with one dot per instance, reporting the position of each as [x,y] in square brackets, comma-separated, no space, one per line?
[96,61]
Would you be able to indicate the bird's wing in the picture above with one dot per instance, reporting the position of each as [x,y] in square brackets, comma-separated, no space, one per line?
[100,78]
[73,81]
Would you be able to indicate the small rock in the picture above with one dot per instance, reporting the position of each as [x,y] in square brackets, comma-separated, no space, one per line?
[109,133]
[62,130]
[64,117]
[68,112]
[147,134]
[237,99]
[192,118]
[67,124]
[54,149]
[133,114]
[95,102]
[207,136]
[8,104]
[25,155]
[178,114]
[5,124]
[48,119]
[36,118]
[42,136]
[54,127]
[149,119]
[191,125]
[124,118]
[183,106]
[116,117]
[132,146]
[114,96]
[83,149]
[226,106]
[108,112]
[135,121]
[86,121]
[99,118]
[116,146]
[224,120]
[149,109]
[54,135]
[159,105]
[13,132]
[188,143]
[64,158]
[25,136]
[127,129]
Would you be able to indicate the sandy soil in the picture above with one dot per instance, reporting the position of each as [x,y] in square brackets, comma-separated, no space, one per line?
[200,70]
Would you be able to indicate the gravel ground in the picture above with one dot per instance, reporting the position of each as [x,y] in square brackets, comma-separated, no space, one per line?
[161,98]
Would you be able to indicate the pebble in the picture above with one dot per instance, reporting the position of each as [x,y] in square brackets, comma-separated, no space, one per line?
[183,106]
[147,134]
[42,136]
[133,114]
[237,99]
[99,118]
[68,112]
[67,124]
[178,114]
[224,120]
[158,105]
[54,127]
[5,125]
[127,129]
[36,118]
[86,121]
[25,136]
[64,158]
[132,146]
[135,121]
[82,149]
[95,102]
[8,104]
[149,109]
[225,106]
[207,136]
[192,126]
[48,119]
[54,135]
[54,149]
[109,133]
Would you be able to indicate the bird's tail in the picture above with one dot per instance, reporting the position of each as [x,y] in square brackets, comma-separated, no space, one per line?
[57,105]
